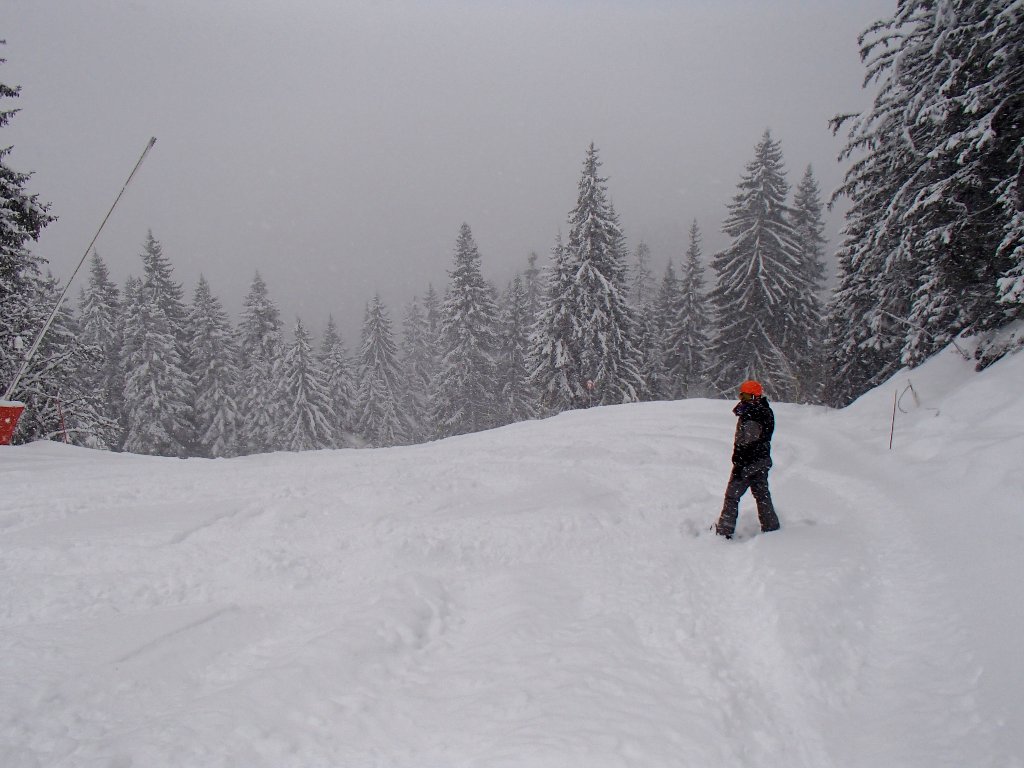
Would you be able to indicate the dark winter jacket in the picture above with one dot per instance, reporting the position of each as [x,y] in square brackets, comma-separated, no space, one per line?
[752,450]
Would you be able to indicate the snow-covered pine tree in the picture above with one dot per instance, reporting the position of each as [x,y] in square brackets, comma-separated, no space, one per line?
[756,279]
[588,331]
[213,369]
[651,345]
[161,288]
[432,311]
[687,336]
[878,269]
[865,327]
[666,309]
[260,350]
[1005,23]
[465,387]
[931,240]
[966,121]
[650,342]
[99,313]
[378,390]
[613,349]
[127,319]
[806,330]
[552,345]
[418,360]
[517,399]
[59,400]
[22,218]
[337,368]
[158,394]
[163,316]
[310,422]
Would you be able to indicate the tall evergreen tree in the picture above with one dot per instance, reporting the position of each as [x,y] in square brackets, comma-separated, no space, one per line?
[99,312]
[1005,22]
[588,332]
[933,234]
[651,346]
[650,341]
[418,363]
[517,400]
[260,352]
[687,336]
[127,337]
[213,369]
[866,326]
[432,311]
[465,386]
[337,367]
[157,392]
[967,115]
[310,422]
[554,340]
[60,403]
[666,309]
[757,279]
[878,271]
[162,289]
[806,329]
[378,409]
[22,219]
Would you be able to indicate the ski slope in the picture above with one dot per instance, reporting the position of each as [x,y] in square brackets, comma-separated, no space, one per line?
[534,596]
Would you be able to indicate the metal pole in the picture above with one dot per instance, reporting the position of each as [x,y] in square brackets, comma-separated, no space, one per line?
[892,429]
[60,300]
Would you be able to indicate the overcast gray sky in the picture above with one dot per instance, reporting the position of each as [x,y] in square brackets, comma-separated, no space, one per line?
[337,146]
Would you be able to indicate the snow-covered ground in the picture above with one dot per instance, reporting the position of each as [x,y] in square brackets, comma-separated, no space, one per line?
[533,596]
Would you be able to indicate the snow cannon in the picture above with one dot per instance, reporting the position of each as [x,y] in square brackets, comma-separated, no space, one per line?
[10,412]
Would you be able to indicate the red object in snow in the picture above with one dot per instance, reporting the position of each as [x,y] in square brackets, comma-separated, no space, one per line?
[10,412]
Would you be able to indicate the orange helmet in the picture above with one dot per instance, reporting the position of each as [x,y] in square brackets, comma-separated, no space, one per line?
[751,387]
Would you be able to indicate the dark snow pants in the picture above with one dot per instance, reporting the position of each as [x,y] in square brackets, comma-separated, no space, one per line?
[740,480]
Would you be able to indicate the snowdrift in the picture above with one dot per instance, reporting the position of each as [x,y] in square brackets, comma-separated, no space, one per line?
[541,595]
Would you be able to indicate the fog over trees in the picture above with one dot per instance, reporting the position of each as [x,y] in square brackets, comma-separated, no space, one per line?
[932,247]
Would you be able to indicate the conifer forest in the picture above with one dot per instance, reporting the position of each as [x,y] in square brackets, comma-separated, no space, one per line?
[932,248]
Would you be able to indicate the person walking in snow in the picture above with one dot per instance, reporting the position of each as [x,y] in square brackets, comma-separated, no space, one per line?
[751,460]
